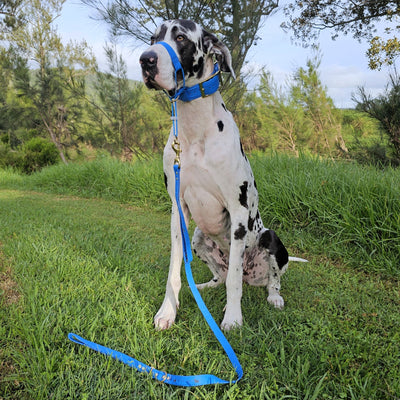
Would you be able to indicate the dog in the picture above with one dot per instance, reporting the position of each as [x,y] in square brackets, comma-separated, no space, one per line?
[218,189]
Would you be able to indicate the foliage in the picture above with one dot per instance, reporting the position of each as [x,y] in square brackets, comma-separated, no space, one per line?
[38,153]
[11,15]
[299,118]
[364,138]
[38,41]
[79,107]
[386,109]
[311,96]
[308,18]
[115,111]
[383,52]
[98,268]
[32,156]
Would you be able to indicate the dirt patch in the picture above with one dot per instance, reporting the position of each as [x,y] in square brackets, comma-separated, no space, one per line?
[9,295]
[8,286]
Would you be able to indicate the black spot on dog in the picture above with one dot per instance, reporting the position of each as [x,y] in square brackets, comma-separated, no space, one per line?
[187,24]
[199,67]
[223,106]
[220,125]
[255,184]
[241,150]
[187,50]
[165,181]
[243,194]
[250,223]
[270,241]
[240,232]
[161,35]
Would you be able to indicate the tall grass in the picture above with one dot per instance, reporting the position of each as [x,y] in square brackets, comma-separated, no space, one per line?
[343,210]
[350,212]
[141,183]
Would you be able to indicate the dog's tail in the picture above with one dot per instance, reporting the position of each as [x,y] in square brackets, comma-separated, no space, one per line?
[297,259]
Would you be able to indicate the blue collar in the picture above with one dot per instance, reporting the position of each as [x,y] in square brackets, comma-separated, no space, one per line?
[202,89]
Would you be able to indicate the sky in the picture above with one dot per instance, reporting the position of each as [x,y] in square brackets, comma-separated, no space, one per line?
[344,65]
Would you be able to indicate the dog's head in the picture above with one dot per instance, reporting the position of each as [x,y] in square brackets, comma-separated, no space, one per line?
[195,49]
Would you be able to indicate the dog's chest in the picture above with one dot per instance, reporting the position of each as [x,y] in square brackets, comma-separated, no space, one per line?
[203,196]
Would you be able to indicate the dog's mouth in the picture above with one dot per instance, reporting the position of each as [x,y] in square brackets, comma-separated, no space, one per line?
[151,83]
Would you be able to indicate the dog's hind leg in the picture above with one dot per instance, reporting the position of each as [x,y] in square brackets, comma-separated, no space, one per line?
[209,252]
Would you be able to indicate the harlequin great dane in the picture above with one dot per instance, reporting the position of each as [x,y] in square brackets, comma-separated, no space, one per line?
[217,184]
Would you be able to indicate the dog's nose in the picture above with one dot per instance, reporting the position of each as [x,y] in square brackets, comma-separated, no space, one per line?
[148,59]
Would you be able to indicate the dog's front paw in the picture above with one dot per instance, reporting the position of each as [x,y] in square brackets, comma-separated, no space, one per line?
[276,300]
[165,316]
[232,320]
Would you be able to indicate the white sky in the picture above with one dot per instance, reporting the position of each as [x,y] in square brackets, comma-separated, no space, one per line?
[344,64]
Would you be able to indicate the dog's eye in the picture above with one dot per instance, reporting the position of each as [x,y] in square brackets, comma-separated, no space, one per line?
[180,38]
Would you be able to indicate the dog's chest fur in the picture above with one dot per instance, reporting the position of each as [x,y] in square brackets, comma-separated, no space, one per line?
[216,176]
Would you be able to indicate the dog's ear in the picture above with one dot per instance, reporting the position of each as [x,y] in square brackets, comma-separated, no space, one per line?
[212,45]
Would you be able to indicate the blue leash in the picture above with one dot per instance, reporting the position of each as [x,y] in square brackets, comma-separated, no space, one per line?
[178,380]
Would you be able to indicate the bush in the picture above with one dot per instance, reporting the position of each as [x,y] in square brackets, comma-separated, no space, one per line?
[35,154]
[9,157]
[38,153]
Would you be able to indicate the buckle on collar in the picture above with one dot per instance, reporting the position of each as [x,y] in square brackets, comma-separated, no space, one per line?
[201,87]
[203,93]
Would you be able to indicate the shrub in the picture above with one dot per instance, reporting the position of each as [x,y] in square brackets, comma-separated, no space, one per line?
[9,157]
[38,153]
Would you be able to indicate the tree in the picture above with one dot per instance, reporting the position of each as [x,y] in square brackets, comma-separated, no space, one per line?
[16,115]
[236,22]
[297,117]
[309,93]
[358,18]
[11,15]
[114,111]
[386,109]
[57,63]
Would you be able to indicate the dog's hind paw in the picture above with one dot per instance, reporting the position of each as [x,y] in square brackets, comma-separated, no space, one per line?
[213,283]
[276,300]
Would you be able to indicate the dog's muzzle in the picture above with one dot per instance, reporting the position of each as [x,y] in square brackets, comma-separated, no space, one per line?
[148,62]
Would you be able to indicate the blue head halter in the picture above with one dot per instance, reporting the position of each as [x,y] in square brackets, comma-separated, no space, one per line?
[202,89]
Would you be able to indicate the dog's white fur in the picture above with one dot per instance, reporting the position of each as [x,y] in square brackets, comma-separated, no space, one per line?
[217,184]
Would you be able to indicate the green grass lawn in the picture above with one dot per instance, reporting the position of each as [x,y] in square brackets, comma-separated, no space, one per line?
[85,249]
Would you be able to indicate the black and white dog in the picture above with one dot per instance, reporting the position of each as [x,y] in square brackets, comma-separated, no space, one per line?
[217,184]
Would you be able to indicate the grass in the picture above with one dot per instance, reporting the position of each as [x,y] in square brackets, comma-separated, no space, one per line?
[85,249]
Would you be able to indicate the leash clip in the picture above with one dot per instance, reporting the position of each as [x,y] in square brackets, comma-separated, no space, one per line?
[176,146]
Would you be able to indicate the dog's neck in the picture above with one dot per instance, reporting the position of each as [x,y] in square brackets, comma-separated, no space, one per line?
[192,115]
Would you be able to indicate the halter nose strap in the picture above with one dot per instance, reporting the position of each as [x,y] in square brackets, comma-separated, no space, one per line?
[177,67]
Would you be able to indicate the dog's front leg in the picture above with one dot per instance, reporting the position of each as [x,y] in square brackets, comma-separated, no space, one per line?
[233,311]
[165,316]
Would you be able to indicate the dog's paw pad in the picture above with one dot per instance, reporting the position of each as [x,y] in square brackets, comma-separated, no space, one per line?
[276,300]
